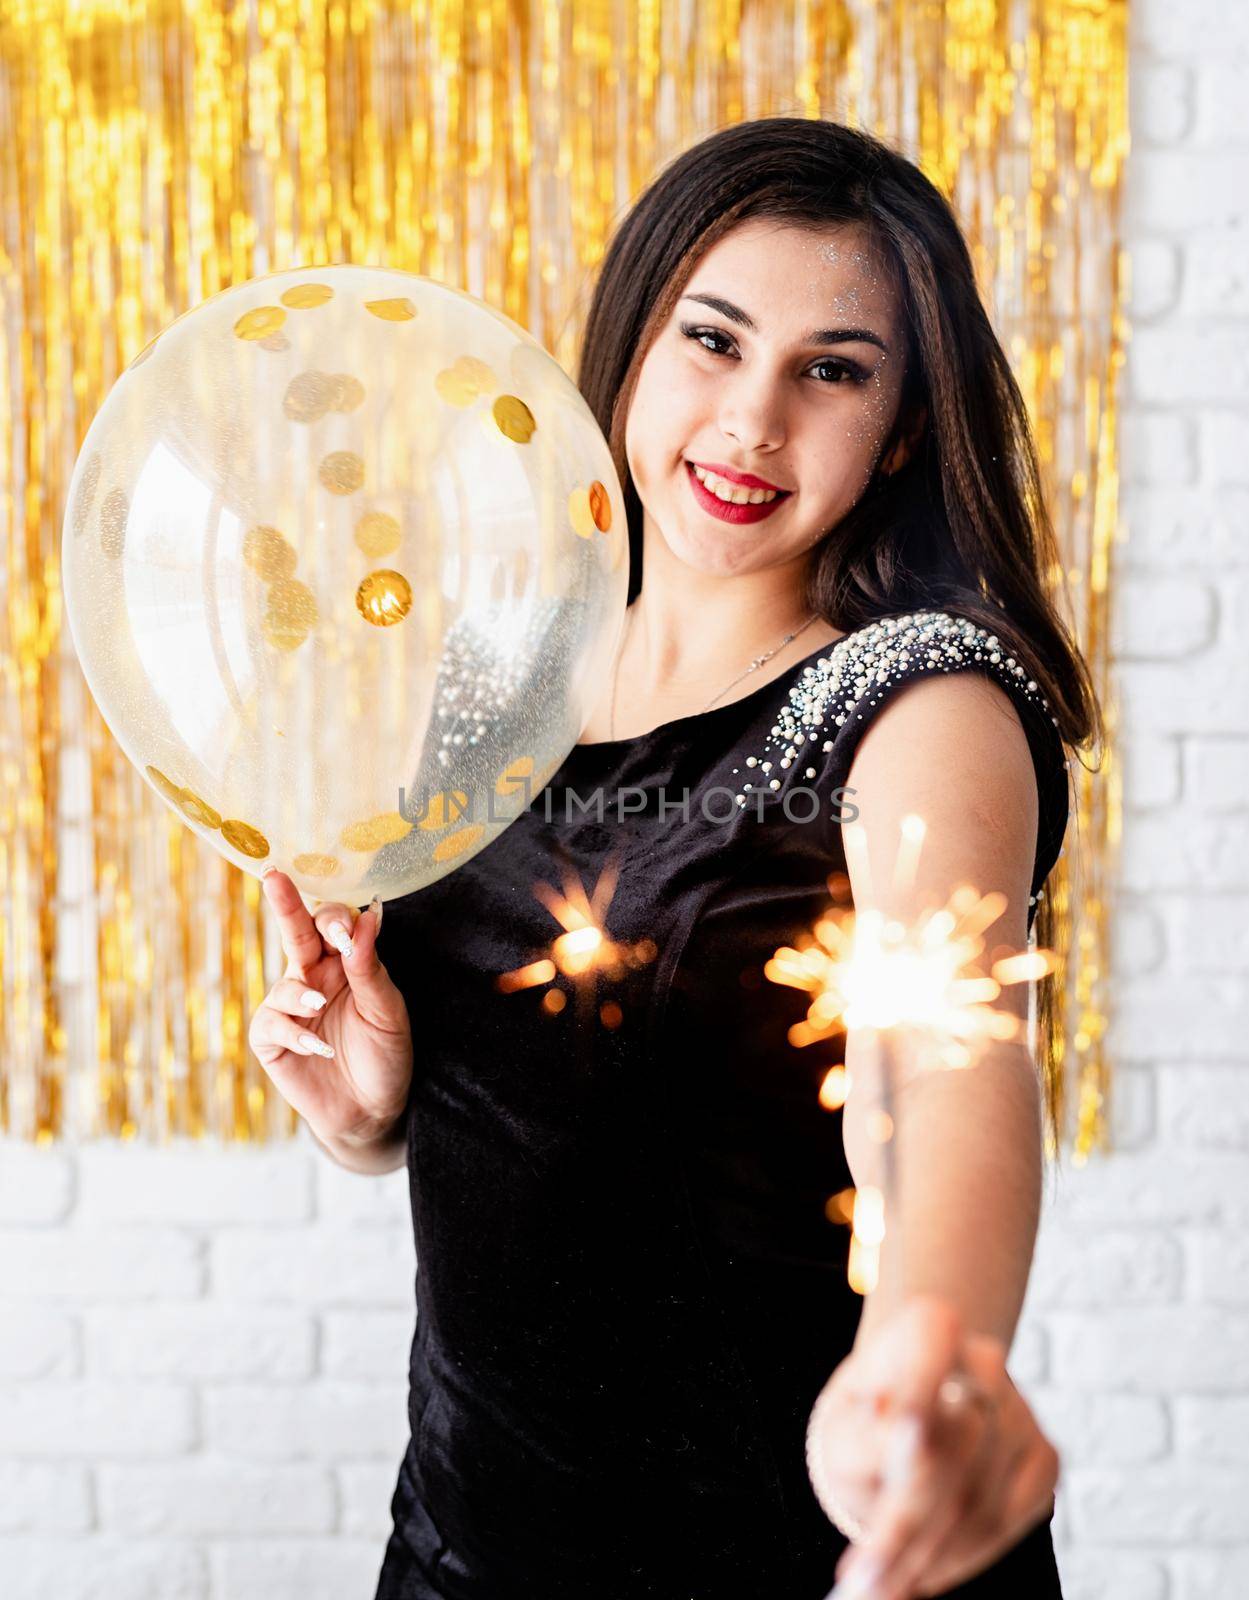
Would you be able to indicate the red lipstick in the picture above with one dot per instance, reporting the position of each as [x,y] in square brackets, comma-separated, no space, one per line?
[725,509]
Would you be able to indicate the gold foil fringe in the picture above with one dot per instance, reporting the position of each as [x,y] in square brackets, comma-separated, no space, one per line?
[155,152]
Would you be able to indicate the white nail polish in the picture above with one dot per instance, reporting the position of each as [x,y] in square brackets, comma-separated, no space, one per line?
[340,938]
[858,1584]
[310,997]
[317,1046]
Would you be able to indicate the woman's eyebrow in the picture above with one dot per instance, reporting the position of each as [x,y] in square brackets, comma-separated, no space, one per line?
[726,308]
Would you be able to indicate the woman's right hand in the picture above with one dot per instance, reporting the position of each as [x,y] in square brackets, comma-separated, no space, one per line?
[356,1089]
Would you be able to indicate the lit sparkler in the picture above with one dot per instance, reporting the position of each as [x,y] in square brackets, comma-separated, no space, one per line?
[880,977]
[584,950]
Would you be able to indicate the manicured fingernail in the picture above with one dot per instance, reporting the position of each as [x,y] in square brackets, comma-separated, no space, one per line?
[310,997]
[860,1582]
[340,938]
[375,906]
[270,868]
[317,1046]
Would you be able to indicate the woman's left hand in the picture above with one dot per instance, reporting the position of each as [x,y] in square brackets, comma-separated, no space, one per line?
[942,1485]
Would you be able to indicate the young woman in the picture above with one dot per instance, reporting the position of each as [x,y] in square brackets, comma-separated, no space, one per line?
[630,1293]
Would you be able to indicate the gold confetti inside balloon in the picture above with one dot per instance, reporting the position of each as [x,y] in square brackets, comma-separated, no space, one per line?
[345,564]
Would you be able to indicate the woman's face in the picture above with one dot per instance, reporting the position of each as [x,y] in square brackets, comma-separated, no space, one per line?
[807,417]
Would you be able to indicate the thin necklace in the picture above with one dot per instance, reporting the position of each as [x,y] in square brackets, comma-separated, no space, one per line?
[753,667]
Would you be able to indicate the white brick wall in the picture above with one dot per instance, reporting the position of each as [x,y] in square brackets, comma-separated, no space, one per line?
[203,1353]
[1139,1300]
[203,1359]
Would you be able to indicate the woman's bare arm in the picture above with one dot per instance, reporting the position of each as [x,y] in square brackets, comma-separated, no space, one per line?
[967,1141]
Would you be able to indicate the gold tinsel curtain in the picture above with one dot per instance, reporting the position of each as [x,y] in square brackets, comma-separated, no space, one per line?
[154,152]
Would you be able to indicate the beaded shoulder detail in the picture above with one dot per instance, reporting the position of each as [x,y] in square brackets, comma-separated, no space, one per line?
[857,672]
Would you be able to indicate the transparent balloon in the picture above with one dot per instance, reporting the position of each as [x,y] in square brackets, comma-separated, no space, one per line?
[345,564]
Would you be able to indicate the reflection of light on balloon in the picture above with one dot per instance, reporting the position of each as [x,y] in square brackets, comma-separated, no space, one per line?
[299,590]
[878,976]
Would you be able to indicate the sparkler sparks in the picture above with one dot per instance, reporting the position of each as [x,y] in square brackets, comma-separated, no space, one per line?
[888,979]
[584,952]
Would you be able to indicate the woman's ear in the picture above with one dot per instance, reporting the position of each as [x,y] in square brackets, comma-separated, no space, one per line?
[900,453]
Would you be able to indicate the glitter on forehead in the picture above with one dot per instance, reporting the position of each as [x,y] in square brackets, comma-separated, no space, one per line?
[858,671]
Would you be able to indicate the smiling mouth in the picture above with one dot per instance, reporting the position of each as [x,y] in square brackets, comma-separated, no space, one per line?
[733,510]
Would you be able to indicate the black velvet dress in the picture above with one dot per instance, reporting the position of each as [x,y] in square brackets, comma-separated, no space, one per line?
[628,1290]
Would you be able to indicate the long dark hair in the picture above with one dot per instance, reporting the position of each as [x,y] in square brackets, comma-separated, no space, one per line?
[962,525]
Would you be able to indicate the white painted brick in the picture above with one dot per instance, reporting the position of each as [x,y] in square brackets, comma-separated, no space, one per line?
[367,1344]
[88,1418]
[1138,938]
[203,1341]
[1153,279]
[1201,696]
[1102,1429]
[1130,1104]
[1089,1573]
[330,1421]
[1162,617]
[1209,28]
[1220,1263]
[1205,1106]
[1157,447]
[1200,527]
[343,1196]
[203,1497]
[1211,1574]
[1151,772]
[1171,365]
[1224,447]
[38,1342]
[311,1569]
[1151,1350]
[365,1490]
[1213,1430]
[1216,774]
[1169,1504]
[1029,1356]
[1216,277]
[114,1264]
[1210,933]
[1105,1267]
[1180,192]
[102,1567]
[193,1183]
[1221,110]
[1212,1010]
[44,1499]
[1160,852]
[1139,1189]
[1160,97]
[36,1183]
[330,1266]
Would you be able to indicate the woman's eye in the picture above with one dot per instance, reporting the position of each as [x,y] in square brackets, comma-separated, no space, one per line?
[845,371]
